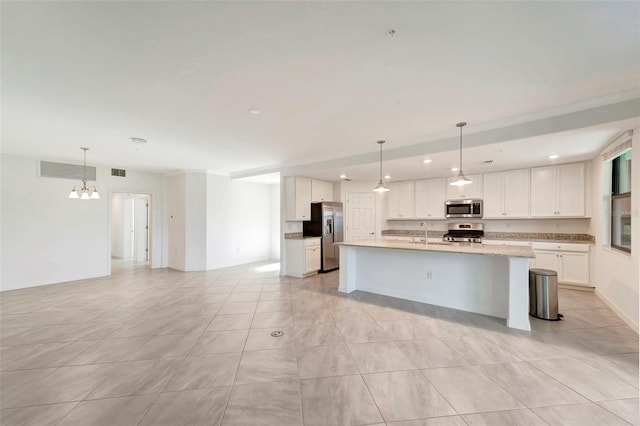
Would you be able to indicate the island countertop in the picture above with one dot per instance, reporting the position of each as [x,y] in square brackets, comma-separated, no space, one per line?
[465,248]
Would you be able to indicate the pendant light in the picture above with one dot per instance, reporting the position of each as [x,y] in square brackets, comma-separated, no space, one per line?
[380,187]
[461,179]
[84,192]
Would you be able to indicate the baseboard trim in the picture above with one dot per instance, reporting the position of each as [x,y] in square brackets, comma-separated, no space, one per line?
[617,311]
[577,287]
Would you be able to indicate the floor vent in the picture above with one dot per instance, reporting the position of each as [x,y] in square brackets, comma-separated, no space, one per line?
[119,172]
[66,171]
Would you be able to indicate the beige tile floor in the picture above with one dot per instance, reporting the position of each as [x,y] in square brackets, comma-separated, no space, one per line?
[164,347]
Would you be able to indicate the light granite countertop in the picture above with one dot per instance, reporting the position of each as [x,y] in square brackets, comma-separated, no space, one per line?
[465,248]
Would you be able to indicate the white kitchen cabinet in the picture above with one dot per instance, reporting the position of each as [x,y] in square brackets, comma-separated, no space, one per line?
[472,190]
[312,256]
[297,198]
[303,257]
[506,194]
[570,261]
[558,191]
[401,201]
[321,191]
[430,198]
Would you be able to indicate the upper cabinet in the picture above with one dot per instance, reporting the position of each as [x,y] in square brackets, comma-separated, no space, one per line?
[541,192]
[321,191]
[297,198]
[558,191]
[472,190]
[506,194]
[430,198]
[401,200]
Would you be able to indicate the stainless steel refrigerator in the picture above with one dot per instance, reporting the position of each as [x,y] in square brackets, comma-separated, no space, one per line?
[326,222]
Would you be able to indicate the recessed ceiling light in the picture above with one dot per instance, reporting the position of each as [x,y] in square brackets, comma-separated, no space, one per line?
[255,111]
[343,176]
[454,169]
[427,161]
[553,156]
[387,176]
[138,140]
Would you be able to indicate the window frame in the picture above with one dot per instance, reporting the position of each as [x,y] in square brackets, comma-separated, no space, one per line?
[615,198]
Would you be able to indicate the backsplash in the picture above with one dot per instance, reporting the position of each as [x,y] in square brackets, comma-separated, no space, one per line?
[293,235]
[555,226]
[515,236]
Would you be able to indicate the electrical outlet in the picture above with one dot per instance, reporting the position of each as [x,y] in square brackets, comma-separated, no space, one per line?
[52,262]
[429,275]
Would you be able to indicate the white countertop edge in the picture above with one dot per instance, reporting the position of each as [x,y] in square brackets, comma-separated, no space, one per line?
[463,248]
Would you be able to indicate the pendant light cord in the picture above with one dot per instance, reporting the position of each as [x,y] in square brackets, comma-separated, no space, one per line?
[381,162]
[380,143]
[460,148]
[461,125]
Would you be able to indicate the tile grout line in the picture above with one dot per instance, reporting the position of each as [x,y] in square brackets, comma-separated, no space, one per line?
[233,381]
[151,404]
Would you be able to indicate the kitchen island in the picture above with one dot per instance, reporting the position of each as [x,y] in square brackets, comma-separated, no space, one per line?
[486,279]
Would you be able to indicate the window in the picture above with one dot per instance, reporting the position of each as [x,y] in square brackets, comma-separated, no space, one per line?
[621,202]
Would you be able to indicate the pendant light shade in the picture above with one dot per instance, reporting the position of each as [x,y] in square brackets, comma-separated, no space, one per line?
[84,192]
[380,186]
[461,179]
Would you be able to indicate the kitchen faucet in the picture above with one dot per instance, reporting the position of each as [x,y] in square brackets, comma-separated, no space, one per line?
[426,237]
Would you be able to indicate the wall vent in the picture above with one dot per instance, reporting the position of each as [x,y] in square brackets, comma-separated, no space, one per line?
[66,171]
[119,172]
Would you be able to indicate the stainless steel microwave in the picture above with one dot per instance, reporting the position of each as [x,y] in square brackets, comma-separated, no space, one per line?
[463,208]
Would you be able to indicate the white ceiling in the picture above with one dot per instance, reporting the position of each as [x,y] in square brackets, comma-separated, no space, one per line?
[327,77]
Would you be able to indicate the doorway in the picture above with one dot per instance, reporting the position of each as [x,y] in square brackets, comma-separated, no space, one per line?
[130,229]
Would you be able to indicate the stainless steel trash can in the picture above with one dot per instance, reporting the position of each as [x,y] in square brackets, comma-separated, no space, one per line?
[543,294]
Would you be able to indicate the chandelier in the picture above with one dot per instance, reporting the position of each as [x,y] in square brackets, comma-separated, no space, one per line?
[84,192]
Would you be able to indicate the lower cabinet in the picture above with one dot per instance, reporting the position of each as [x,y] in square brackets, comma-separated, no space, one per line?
[570,261]
[303,257]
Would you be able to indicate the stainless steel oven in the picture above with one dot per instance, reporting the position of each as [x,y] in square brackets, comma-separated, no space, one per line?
[464,233]
[463,208]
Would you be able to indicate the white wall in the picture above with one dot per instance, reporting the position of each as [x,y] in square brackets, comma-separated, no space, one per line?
[617,274]
[238,222]
[50,238]
[195,231]
[274,222]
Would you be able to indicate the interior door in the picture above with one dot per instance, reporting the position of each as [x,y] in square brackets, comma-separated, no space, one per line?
[360,216]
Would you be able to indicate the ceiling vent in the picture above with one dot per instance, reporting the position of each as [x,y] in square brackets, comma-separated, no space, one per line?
[66,171]
[119,172]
